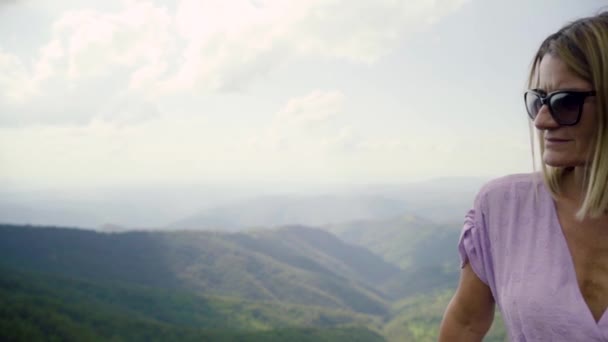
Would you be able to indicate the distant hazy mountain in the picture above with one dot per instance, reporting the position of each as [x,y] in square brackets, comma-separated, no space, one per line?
[286,210]
[42,215]
[235,207]
[443,200]
[424,250]
[408,241]
[133,206]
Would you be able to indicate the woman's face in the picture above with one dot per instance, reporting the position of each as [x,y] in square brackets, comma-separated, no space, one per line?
[565,146]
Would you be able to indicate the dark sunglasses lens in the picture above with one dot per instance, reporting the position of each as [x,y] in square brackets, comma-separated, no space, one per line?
[566,108]
[533,104]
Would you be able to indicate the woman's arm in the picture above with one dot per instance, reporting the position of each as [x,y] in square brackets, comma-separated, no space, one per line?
[470,313]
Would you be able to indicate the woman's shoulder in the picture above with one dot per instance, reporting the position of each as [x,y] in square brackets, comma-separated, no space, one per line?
[499,191]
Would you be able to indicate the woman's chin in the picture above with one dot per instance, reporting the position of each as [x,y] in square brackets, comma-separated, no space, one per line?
[557,161]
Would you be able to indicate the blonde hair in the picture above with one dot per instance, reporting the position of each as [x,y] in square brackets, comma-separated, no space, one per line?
[583,46]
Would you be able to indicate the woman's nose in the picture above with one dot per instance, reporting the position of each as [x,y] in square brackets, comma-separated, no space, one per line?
[544,120]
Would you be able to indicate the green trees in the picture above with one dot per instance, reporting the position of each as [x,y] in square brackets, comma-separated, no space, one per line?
[292,284]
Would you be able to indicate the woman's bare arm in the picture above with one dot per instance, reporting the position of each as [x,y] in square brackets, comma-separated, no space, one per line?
[470,313]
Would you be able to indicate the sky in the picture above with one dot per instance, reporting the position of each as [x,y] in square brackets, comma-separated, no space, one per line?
[117,92]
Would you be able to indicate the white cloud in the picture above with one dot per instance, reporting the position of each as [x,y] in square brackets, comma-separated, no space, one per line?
[304,123]
[311,110]
[14,84]
[363,31]
[124,111]
[98,42]
[92,62]
[231,42]
[147,52]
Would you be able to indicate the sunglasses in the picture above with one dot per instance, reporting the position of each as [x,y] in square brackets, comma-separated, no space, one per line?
[565,106]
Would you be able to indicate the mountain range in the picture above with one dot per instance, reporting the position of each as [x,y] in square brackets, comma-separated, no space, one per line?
[233,208]
[266,281]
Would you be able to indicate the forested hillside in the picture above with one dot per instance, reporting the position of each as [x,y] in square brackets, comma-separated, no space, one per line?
[291,283]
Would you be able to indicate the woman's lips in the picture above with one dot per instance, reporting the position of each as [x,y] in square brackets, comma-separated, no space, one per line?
[555,142]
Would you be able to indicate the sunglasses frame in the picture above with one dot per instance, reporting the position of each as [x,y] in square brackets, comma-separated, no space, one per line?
[545,99]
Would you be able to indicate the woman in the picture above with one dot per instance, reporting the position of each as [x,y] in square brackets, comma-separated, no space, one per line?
[537,244]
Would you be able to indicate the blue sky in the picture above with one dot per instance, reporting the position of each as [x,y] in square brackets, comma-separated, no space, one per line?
[311,91]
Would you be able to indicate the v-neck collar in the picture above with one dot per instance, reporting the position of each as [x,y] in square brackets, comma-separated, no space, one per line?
[556,224]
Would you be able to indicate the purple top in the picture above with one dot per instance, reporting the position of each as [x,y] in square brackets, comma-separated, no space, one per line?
[514,242]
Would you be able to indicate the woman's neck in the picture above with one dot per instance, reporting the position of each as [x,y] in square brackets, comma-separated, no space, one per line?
[574,184]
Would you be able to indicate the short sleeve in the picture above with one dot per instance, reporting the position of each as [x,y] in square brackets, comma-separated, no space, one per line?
[473,245]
